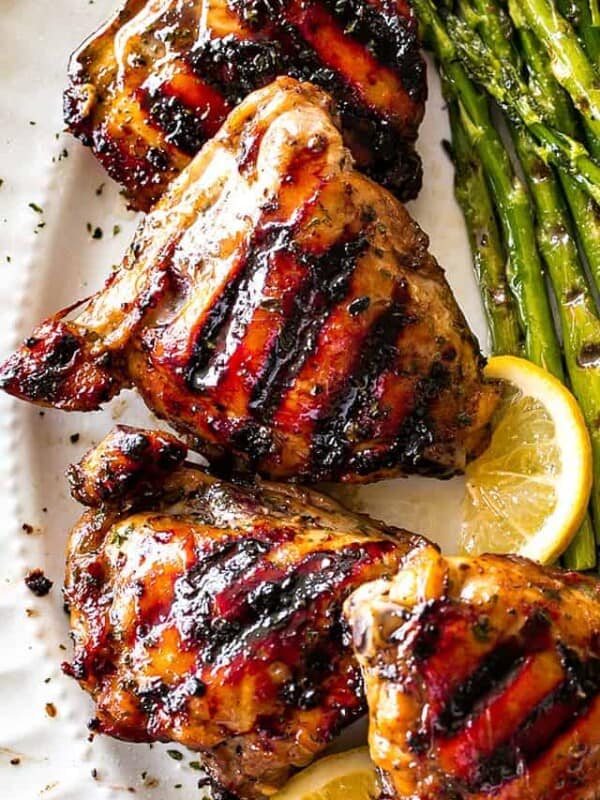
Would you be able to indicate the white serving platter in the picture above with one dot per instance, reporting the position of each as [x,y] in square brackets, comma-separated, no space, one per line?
[47,260]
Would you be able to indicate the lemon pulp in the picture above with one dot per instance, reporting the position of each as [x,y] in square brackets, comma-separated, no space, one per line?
[528,492]
[347,776]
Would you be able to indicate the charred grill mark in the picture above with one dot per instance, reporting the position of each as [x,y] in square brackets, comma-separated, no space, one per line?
[392,161]
[328,276]
[555,715]
[294,597]
[416,433]
[396,165]
[484,754]
[214,323]
[237,314]
[130,463]
[306,688]
[235,67]
[235,64]
[235,598]
[139,168]
[335,433]
[172,699]
[495,670]
[197,590]
[237,380]
[391,38]
[55,366]
[181,125]
[56,360]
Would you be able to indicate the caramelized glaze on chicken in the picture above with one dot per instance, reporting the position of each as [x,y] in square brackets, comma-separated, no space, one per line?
[154,83]
[208,614]
[278,306]
[482,679]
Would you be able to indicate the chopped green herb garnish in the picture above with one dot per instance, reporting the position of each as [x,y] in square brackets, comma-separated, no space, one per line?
[36,208]
[175,755]
[119,537]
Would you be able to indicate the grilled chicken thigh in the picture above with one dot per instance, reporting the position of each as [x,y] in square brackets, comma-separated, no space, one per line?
[278,306]
[156,82]
[208,614]
[482,679]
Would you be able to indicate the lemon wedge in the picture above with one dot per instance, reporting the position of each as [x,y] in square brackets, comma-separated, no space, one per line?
[528,492]
[345,776]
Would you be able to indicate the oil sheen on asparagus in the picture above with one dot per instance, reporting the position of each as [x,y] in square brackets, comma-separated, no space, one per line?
[535,242]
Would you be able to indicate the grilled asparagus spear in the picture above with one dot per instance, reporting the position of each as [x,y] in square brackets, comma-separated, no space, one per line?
[561,114]
[515,213]
[489,257]
[504,83]
[557,243]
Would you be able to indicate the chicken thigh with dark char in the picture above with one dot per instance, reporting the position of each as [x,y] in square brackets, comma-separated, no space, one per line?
[208,613]
[156,82]
[482,679]
[279,308]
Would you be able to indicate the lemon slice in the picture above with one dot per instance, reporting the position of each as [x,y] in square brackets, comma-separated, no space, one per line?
[528,492]
[346,776]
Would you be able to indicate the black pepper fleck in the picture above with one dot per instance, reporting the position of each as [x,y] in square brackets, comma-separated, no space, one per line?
[38,583]
[359,305]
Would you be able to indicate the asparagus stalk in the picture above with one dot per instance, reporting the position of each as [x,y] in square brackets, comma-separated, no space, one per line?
[589,34]
[583,16]
[588,26]
[503,81]
[570,64]
[474,198]
[514,208]
[561,115]
[579,321]
[581,553]
[497,31]
[489,258]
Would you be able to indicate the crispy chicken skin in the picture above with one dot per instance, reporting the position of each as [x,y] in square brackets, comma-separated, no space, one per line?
[208,613]
[156,82]
[482,678]
[278,306]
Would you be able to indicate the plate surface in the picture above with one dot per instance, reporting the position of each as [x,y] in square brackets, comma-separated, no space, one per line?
[52,191]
